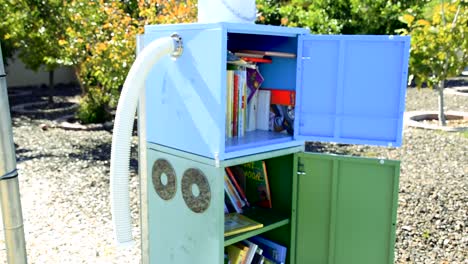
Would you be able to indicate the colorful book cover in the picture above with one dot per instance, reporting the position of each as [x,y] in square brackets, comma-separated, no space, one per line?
[251,252]
[239,189]
[254,81]
[257,188]
[271,250]
[235,223]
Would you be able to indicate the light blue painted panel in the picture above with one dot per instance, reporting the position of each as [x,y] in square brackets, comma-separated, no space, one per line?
[184,96]
[356,83]
[244,28]
[176,233]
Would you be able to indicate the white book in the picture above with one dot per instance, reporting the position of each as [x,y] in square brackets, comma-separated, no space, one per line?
[252,113]
[263,109]
[251,252]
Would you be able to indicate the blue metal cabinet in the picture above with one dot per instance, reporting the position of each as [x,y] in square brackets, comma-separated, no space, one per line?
[349,89]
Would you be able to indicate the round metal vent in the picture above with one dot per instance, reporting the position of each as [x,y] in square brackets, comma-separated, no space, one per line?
[196,190]
[164,179]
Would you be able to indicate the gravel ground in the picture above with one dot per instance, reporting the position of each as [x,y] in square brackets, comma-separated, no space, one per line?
[64,181]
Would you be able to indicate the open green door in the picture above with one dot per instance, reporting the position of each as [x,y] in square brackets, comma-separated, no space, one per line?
[345,209]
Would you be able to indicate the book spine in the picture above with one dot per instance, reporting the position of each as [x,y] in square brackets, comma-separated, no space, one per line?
[235,105]
[236,184]
[230,95]
[263,109]
[268,191]
[244,101]
[240,103]
[234,194]
[231,197]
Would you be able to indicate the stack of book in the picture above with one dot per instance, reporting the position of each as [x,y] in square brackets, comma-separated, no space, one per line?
[255,250]
[246,185]
[250,108]
[242,86]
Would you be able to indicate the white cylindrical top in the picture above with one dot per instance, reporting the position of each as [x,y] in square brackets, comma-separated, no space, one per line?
[213,11]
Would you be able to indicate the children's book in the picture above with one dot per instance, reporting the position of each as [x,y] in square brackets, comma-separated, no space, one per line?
[271,250]
[257,188]
[239,189]
[235,106]
[235,223]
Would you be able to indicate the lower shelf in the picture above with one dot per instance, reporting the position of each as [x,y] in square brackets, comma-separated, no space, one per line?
[269,218]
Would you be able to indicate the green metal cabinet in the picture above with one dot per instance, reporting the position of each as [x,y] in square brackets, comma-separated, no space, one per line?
[345,209]
[327,209]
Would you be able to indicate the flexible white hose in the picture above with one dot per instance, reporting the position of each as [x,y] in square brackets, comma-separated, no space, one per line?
[123,125]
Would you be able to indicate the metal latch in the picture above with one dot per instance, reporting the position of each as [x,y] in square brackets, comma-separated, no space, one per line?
[300,167]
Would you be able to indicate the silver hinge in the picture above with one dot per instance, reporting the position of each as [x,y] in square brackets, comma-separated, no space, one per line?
[306,58]
[300,167]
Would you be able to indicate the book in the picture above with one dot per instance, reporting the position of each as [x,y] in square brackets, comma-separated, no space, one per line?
[259,59]
[283,97]
[252,107]
[242,100]
[235,254]
[271,250]
[282,118]
[229,102]
[254,81]
[257,188]
[235,223]
[263,110]
[268,53]
[233,195]
[235,106]
[231,198]
[239,189]
[251,252]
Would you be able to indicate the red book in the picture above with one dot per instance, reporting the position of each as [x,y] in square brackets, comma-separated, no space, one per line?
[259,60]
[235,106]
[283,97]
[236,184]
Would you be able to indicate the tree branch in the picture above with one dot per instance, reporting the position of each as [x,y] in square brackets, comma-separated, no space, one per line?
[456,17]
[442,10]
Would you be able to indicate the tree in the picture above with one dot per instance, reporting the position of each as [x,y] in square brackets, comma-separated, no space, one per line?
[439,45]
[336,16]
[33,26]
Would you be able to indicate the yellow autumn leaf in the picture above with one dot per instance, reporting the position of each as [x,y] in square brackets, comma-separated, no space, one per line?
[62,42]
[7,36]
[407,18]
[423,22]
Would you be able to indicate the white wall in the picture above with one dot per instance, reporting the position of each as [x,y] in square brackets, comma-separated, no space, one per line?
[18,75]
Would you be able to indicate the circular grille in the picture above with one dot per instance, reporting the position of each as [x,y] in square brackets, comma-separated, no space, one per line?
[196,190]
[164,179]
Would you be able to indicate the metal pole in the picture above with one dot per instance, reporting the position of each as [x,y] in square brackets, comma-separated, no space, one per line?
[9,189]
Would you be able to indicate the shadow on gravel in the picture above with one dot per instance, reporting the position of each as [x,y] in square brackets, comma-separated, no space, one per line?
[101,152]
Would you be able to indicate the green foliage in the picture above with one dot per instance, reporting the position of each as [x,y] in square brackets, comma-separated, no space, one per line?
[439,45]
[336,16]
[32,27]
[94,107]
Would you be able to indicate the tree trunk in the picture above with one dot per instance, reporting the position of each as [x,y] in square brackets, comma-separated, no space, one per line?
[440,88]
[51,87]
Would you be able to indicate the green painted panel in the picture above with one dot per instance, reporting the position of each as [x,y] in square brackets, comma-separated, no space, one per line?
[346,210]
[364,223]
[313,210]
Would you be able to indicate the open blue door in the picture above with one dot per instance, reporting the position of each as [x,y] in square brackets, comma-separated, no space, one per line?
[351,89]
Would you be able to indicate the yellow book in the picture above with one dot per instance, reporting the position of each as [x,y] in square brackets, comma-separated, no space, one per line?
[235,223]
[235,254]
